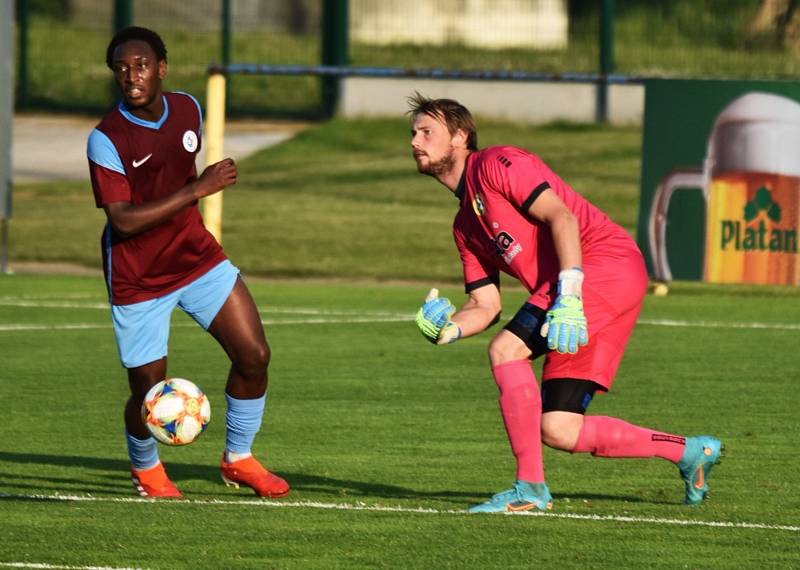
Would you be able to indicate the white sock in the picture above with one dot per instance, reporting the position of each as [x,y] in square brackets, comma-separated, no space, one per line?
[230,456]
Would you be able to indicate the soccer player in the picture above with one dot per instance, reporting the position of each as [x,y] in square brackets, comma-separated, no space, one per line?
[158,255]
[586,279]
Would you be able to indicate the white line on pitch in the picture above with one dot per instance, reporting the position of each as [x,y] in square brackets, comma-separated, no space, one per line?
[45,566]
[267,322]
[719,324]
[405,318]
[59,296]
[270,311]
[326,316]
[73,326]
[337,312]
[61,304]
[409,510]
[40,304]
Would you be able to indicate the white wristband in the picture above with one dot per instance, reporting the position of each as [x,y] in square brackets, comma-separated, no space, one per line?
[450,333]
[570,281]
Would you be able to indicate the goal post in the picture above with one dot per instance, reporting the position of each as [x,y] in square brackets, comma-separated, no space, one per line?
[214,139]
[6,124]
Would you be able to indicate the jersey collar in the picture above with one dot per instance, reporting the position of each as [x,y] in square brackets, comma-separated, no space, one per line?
[155,125]
[461,189]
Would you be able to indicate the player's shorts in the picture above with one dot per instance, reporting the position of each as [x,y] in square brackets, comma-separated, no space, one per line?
[597,361]
[611,303]
[142,329]
[568,395]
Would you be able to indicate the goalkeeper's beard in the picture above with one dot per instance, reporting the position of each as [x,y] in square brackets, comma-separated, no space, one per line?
[439,167]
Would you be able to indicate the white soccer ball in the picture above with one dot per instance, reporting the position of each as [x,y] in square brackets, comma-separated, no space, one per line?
[176,411]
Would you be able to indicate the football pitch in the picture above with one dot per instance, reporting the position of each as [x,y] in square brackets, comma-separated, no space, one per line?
[387,439]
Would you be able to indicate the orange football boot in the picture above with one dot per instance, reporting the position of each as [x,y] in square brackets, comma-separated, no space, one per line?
[154,483]
[250,472]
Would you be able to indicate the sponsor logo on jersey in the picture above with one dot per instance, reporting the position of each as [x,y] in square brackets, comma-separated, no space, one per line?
[478,205]
[190,141]
[141,161]
[507,247]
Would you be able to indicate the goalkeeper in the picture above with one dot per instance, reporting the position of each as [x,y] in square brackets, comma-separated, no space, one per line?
[586,279]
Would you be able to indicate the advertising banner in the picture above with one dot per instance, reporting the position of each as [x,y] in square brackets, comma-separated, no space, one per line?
[720,187]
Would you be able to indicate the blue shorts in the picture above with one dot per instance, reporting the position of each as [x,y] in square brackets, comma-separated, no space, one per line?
[142,329]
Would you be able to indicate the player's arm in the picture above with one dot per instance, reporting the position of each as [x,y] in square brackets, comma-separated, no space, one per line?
[550,209]
[129,219]
[441,323]
[565,323]
[481,311]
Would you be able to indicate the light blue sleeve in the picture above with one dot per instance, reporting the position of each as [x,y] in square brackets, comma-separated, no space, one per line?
[102,152]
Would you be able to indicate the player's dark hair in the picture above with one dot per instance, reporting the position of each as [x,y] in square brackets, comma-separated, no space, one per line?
[136,33]
[454,115]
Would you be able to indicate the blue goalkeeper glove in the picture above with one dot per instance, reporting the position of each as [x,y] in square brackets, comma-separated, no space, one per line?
[433,319]
[565,323]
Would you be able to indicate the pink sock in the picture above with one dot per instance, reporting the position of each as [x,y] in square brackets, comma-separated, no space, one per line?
[604,436]
[521,406]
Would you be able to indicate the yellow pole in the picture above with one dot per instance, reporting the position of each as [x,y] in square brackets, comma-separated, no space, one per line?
[214,137]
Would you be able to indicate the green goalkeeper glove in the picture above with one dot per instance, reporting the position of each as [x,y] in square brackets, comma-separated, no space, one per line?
[433,319]
[565,324]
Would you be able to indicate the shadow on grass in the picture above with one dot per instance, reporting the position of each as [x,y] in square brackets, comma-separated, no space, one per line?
[110,477]
[114,472]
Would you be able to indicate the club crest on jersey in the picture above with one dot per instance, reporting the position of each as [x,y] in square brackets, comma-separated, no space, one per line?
[477,205]
[507,247]
[190,141]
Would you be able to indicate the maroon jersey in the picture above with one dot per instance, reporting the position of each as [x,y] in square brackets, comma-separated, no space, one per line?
[139,161]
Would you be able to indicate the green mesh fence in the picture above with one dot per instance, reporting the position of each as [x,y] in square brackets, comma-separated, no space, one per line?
[66,42]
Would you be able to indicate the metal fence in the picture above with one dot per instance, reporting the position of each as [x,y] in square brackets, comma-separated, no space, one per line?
[61,43]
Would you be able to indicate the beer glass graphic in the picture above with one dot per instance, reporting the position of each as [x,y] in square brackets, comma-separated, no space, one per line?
[750,182]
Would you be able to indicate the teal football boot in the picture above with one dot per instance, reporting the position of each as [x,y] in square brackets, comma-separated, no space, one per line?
[522,497]
[701,454]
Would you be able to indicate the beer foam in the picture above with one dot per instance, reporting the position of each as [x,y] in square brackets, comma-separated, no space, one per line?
[758,132]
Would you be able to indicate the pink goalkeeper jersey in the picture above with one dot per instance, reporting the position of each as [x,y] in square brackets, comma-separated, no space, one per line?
[494,233]
[139,161]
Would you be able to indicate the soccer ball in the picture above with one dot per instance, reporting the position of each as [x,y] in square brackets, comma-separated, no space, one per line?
[176,411]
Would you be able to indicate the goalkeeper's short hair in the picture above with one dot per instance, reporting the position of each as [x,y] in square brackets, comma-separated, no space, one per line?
[452,113]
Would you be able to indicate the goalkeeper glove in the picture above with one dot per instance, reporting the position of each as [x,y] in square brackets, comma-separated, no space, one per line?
[433,319]
[565,323]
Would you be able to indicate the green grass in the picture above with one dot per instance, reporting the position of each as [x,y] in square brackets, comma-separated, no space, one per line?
[367,414]
[343,199]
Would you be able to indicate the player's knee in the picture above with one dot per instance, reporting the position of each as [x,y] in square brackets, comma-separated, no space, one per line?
[142,378]
[502,350]
[556,439]
[559,431]
[261,356]
[253,363]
